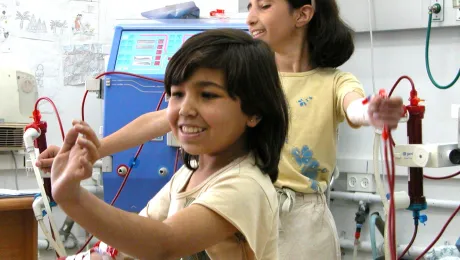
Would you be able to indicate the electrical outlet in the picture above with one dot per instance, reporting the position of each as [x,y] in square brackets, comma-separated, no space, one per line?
[438,17]
[360,182]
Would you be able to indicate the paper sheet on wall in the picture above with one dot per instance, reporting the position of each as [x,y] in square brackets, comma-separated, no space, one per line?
[57,20]
[85,20]
[80,62]
[6,14]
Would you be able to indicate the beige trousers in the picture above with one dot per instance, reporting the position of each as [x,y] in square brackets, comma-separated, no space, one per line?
[307,229]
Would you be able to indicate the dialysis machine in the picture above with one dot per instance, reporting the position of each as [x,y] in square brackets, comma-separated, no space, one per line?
[144,50]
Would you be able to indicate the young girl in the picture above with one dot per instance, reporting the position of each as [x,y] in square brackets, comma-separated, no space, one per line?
[222,203]
[310,41]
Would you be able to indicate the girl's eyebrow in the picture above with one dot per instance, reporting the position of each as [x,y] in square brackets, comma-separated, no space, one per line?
[250,5]
[207,83]
[203,84]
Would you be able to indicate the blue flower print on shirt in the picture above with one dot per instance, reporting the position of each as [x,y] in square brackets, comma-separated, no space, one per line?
[309,166]
[304,101]
[314,185]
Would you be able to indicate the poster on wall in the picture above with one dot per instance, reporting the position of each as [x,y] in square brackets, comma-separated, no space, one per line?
[80,62]
[42,20]
[85,20]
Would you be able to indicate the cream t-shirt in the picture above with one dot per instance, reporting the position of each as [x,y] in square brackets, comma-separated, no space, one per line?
[241,194]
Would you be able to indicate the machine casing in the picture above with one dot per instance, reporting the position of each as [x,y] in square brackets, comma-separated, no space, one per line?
[144,49]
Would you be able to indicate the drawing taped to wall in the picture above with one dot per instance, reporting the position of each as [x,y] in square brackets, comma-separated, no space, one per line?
[82,61]
[82,27]
[34,25]
[4,27]
[45,20]
[58,26]
[4,32]
[39,74]
[25,16]
[85,21]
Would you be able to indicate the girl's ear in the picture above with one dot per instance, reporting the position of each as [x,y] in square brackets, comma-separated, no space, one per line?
[304,15]
[253,121]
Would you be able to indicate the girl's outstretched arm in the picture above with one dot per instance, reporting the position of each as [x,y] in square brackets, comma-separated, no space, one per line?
[379,111]
[186,232]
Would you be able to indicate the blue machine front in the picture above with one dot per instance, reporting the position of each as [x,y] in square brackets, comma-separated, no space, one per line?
[144,50]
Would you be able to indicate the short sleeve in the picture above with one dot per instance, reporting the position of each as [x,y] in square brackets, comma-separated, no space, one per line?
[243,202]
[345,83]
[158,207]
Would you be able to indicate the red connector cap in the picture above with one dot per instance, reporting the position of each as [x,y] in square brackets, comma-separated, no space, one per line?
[36,116]
[414,99]
[357,235]
[217,12]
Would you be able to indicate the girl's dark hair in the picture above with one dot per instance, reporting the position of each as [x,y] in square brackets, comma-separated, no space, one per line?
[330,39]
[251,75]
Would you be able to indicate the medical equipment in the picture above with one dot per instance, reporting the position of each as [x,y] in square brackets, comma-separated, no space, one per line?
[35,143]
[18,94]
[143,49]
[414,155]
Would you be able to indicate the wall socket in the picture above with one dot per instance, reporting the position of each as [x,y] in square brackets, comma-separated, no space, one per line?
[439,17]
[361,182]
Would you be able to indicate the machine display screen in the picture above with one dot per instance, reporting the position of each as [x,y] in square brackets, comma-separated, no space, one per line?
[148,52]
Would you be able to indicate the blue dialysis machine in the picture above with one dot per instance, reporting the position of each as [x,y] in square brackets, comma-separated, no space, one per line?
[144,50]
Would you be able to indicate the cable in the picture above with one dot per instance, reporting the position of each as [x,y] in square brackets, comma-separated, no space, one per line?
[413,92]
[410,243]
[378,180]
[372,224]
[440,234]
[443,177]
[55,110]
[369,4]
[398,81]
[50,239]
[355,249]
[391,181]
[15,171]
[83,106]
[427,60]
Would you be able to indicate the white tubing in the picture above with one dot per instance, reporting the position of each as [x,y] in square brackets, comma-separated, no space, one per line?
[50,239]
[365,246]
[372,198]
[47,203]
[28,137]
[386,238]
[378,180]
[355,250]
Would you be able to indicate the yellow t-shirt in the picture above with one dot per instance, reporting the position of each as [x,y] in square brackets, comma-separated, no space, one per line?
[316,108]
[241,194]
